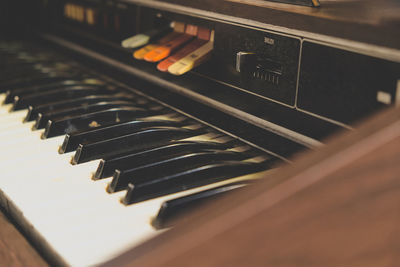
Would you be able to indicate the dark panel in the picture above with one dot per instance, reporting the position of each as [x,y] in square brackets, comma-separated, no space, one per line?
[343,85]
[273,74]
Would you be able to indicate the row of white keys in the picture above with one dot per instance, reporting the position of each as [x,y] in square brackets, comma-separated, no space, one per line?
[83,223]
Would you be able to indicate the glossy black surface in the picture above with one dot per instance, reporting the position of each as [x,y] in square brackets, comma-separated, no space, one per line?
[43,118]
[107,166]
[143,190]
[93,120]
[57,95]
[72,141]
[11,94]
[15,75]
[138,141]
[174,209]
[35,81]
[169,167]
[70,103]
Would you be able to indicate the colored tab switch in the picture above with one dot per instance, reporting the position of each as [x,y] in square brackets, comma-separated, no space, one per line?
[192,60]
[144,38]
[178,27]
[203,36]
[165,50]
[139,54]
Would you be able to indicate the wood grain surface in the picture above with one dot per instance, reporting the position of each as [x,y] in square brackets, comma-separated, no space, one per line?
[338,206]
[15,249]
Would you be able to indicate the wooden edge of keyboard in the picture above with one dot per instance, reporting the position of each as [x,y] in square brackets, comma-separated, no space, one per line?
[335,205]
[15,250]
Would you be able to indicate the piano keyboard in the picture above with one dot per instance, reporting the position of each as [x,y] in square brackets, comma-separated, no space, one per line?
[90,169]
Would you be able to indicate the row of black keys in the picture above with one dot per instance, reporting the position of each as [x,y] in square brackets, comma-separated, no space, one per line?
[147,156]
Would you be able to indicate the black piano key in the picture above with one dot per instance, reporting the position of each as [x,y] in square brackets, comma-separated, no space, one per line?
[107,167]
[144,190]
[14,77]
[34,79]
[25,70]
[9,79]
[58,95]
[11,93]
[70,103]
[174,209]
[43,118]
[72,141]
[142,140]
[20,92]
[9,60]
[12,85]
[171,166]
[24,73]
[93,120]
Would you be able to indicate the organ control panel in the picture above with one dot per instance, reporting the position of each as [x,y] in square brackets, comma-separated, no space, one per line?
[318,78]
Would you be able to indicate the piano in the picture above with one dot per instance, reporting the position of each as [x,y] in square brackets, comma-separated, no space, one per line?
[125,123]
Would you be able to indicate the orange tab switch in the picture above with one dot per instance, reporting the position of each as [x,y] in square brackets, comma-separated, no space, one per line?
[139,54]
[165,50]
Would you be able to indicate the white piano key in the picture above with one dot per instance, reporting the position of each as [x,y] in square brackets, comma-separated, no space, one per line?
[13,117]
[27,145]
[6,125]
[14,131]
[2,97]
